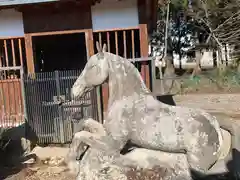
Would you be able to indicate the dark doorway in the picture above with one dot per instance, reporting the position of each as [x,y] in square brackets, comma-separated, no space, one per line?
[59,52]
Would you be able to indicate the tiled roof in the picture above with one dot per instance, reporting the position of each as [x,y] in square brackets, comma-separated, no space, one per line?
[18,2]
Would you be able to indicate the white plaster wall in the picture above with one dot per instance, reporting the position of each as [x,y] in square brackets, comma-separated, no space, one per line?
[111,14]
[11,23]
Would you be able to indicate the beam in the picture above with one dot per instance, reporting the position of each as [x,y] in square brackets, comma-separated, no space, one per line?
[144,53]
[29,53]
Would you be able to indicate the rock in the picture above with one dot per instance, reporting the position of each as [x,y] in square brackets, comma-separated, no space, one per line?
[136,165]
[56,161]
[151,174]
[56,170]
[56,154]
[150,159]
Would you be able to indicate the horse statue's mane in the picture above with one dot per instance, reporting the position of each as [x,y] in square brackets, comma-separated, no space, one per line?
[124,78]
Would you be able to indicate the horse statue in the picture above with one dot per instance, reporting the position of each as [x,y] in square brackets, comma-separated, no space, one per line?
[101,161]
[135,115]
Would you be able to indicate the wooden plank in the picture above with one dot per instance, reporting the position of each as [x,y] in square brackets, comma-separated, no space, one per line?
[116,42]
[6,53]
[29,53]
[100,39]
[13,52]
[89,42]
[10,37]
[116,29]
[11,101]
[144,53]
[125,44]
[20,51]
[108,42]
[57,32]
[133,44]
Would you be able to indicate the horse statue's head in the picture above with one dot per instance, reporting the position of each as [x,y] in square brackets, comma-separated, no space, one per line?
[124,79]
[94,73]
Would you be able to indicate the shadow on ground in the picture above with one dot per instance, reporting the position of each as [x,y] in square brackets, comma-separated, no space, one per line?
[15,142]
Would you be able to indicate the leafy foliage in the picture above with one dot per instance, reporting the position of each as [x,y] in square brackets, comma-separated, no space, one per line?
[214,22]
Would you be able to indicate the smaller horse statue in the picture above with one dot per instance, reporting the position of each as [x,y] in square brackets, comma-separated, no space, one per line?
[135,115]
[101,161]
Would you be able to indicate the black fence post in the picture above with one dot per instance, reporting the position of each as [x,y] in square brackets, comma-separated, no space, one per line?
[61,124]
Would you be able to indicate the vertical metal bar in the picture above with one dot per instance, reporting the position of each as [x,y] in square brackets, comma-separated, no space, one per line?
[61,125]
[34,111]
[161,80]
[23,96]
[44,119]
[153,70]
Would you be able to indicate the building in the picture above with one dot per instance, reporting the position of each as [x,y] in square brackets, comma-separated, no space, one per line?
[49,35]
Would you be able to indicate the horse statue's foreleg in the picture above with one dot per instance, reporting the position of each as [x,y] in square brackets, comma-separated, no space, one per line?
[92,126]
[78,147]
[89,125]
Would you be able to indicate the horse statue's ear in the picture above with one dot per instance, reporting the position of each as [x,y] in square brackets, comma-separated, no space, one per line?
[99,49]
[104,49]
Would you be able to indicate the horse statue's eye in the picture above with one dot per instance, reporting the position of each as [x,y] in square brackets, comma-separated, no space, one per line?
[92,66]
[100,55]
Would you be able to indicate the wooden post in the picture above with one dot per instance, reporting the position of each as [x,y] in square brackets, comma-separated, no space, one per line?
[89,42]
[90,52]
[144,53]
[29,53]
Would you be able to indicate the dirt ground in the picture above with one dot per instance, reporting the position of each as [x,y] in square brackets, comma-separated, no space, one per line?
[221,105]
[41,172]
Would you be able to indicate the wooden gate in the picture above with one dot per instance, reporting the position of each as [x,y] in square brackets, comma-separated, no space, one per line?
[11,101]
[12,53]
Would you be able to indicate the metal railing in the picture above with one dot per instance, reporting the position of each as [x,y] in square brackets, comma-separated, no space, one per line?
[50,109]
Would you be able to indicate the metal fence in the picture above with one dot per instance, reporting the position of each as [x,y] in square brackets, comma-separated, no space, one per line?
[50,109]
[11,101]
